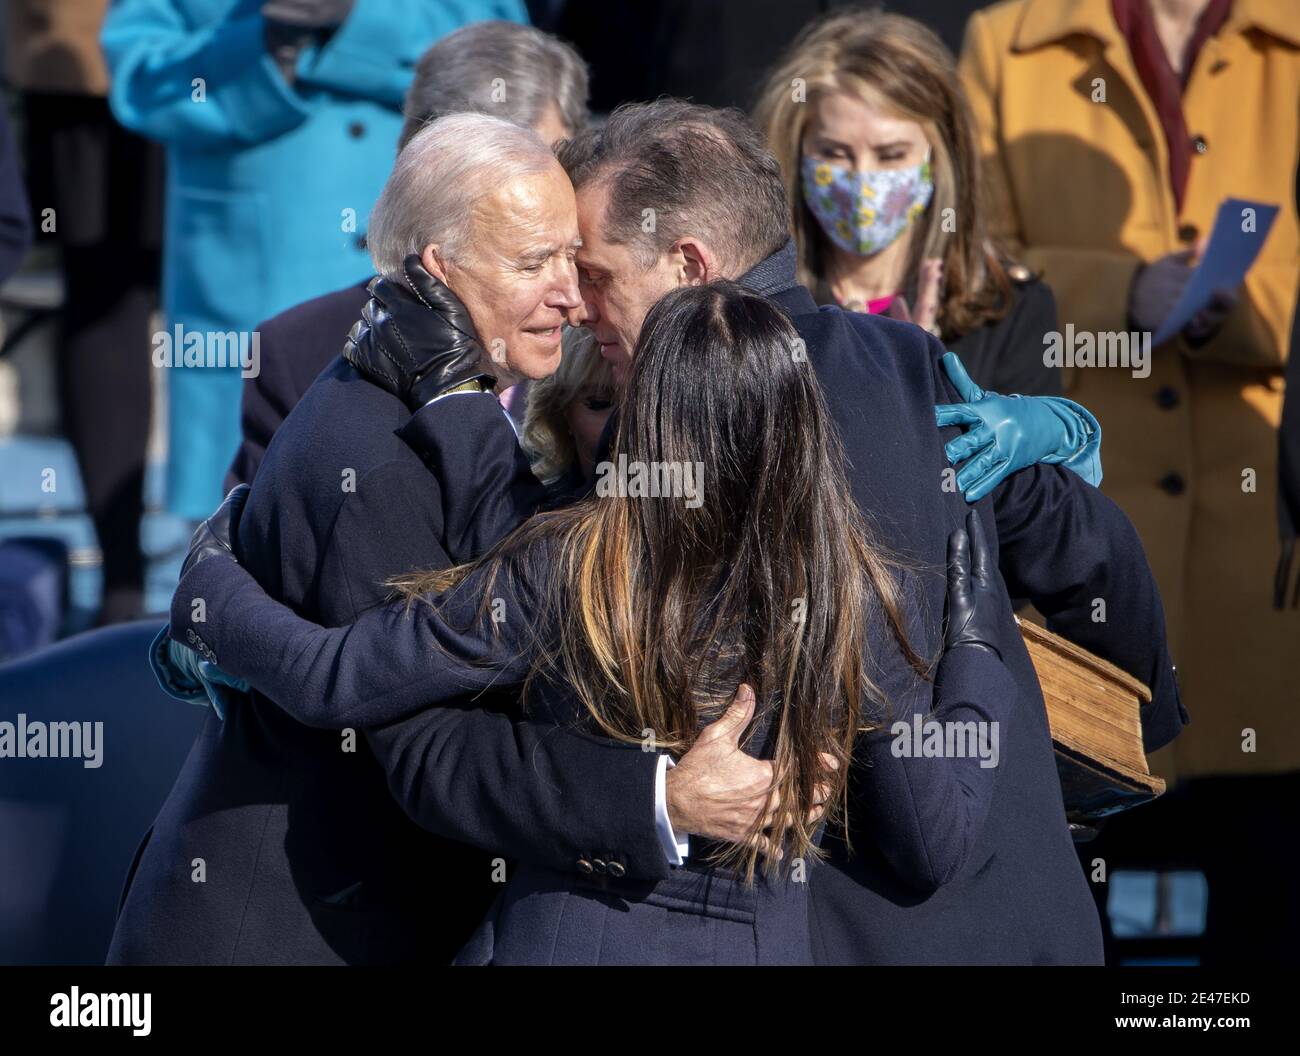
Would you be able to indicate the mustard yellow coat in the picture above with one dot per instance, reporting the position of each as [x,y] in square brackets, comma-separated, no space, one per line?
[1078,174]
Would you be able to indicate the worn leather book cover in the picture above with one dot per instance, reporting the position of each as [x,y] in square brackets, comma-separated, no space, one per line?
[1093,710]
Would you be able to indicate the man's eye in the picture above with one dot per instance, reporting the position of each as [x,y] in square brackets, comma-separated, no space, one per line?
[533,269]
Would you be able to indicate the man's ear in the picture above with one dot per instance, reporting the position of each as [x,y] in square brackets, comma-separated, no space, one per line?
[434,263]
[697,261]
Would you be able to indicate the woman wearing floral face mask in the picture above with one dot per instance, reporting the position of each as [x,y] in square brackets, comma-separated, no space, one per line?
[867,119]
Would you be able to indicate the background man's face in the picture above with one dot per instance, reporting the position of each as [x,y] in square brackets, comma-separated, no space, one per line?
[617,290]
[518,278]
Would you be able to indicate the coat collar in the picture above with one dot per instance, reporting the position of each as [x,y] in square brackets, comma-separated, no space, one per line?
[1264,15]
[773,274]
[1047,21]
[774,277]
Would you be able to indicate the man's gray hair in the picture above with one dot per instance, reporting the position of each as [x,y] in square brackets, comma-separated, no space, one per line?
[500,68]
[673,169]
[439,177]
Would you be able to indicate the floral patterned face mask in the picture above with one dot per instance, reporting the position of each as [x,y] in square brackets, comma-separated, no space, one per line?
[863,212]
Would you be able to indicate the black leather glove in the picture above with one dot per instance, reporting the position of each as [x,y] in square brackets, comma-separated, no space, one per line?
[416,339]
[215,536]
[974,607]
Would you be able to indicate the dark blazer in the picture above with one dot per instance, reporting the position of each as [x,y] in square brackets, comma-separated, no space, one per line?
[397,661]
[303,855]
[1012,890]
[295,346]
[1007,355]
[1019,895]
[994,877]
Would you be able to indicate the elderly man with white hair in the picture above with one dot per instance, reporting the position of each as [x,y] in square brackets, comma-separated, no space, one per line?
[511,71]
[280,843]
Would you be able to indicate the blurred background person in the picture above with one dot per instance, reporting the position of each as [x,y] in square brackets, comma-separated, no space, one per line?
[279,120]
[96,191]
[1113,130]
[567,413]
[866,115]
[545,89]
[15,220]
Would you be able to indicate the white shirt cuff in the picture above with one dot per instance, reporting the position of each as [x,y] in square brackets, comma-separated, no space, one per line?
[676,850]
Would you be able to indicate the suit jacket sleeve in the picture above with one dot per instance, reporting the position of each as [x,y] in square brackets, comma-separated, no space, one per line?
[539,792]
[927,811]
[1077,557]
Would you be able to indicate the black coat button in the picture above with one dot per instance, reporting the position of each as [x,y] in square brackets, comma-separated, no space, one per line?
[1173,483]
[1199,144]
[584,866]
[598,864]
[1188,232]
[356,130]
[616,870]
[1167,398]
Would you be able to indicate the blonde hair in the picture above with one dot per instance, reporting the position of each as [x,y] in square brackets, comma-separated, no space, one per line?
[899,65]
[546,436]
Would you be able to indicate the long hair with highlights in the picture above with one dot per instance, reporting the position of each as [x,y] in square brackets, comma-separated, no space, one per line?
[770,579]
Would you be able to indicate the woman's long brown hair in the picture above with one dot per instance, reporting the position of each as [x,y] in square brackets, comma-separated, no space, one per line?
[663,610]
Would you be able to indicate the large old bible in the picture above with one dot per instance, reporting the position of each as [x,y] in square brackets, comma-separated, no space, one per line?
[1093,711]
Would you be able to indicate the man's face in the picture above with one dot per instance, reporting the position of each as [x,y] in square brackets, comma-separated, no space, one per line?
[517,277]
[617,291]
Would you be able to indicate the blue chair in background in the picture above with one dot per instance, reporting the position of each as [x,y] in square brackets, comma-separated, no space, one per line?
[68,833]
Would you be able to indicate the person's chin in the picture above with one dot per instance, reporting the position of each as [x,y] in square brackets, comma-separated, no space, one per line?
[536,367]
[536,355]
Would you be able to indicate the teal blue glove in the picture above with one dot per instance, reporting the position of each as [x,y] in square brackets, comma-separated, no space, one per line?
[1009,433]
[185,675]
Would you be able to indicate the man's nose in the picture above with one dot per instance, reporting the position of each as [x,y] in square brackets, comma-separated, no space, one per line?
[564,294]
[567,296]
[584,313]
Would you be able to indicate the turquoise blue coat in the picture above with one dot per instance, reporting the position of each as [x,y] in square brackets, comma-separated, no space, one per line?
[269,187]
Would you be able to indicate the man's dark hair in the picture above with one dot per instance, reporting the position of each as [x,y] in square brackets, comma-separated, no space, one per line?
[674,168]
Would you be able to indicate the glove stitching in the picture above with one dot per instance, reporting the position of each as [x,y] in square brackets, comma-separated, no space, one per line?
[376,367]
[411,283]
